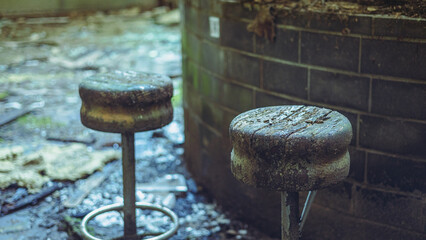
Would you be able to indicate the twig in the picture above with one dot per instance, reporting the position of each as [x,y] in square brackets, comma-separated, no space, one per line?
[31,199]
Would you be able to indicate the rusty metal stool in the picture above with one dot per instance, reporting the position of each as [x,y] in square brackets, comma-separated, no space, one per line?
[290,149]
[127,102]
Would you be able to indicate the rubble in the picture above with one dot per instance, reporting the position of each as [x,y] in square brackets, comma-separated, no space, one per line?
[168,183]
[52,162]
[170,18]
[43,61]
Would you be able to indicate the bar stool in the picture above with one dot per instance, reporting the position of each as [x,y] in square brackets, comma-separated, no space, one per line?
[127,102]
[290,149]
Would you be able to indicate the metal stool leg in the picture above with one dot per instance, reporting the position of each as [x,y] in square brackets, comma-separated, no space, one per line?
[289,215]
[129,211]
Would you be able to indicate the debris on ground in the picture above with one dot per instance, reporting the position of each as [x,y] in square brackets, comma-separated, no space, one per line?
[12,205]
[168,183]
[170,18]
[52,162]
[42,61]
[77,196]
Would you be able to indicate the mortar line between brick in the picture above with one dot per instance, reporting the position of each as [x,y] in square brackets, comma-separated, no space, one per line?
[369,221]
[326,69]
[299,50]
[365,166]
[254,43]
[352,204]
[359,54]
[381,189]
[253,102]
[358,120]
[216,104]
[392,155]
[391,38]
[261,73]
[197,118]
[370,95]
[304,101]
[308,84]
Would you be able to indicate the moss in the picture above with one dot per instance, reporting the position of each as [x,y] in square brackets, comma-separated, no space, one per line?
[3,95]
[177,94]
[38,122]
[73,225]
[193,75]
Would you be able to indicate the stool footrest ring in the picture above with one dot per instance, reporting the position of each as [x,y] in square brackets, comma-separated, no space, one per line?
[143,206]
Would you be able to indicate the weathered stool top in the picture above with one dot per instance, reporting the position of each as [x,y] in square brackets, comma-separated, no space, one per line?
[126,101]
[290,148]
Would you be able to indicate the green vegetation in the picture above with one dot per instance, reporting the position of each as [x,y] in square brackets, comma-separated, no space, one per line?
[3,95]
[38,122]
[177,94]
[73,225]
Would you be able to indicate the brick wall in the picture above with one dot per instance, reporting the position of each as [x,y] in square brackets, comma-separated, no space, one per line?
[371,69]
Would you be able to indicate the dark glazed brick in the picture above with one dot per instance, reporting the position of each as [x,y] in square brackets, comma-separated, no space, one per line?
[406,235]
[357,168]
[284,47]
[353,119]
[227,119]
[236,10]
[243,68]
[393,136]
[209,138]
[402,174]
[359,25]
[213,58]
[401,28]
[205,28]
[327,22]
[191,17]
[211,114]
[234,34]
[212,7]
[265,100]
[330,51]
[324,223]
[204,4]
[338,197]
[388,208]
[193,3]
[191,74]
[340,90]
[285,79]
[237,97]
[192,143]
[192,47]
[399,99]
[210,86]
[193,102]
[394,58]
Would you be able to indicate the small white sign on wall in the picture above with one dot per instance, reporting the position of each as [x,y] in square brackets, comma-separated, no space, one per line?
[214,27]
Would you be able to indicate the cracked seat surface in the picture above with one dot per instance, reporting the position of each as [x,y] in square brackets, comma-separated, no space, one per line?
[129,101]
[290,148]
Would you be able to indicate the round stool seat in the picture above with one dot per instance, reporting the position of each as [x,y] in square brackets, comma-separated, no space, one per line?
[126,101]
[290,148]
